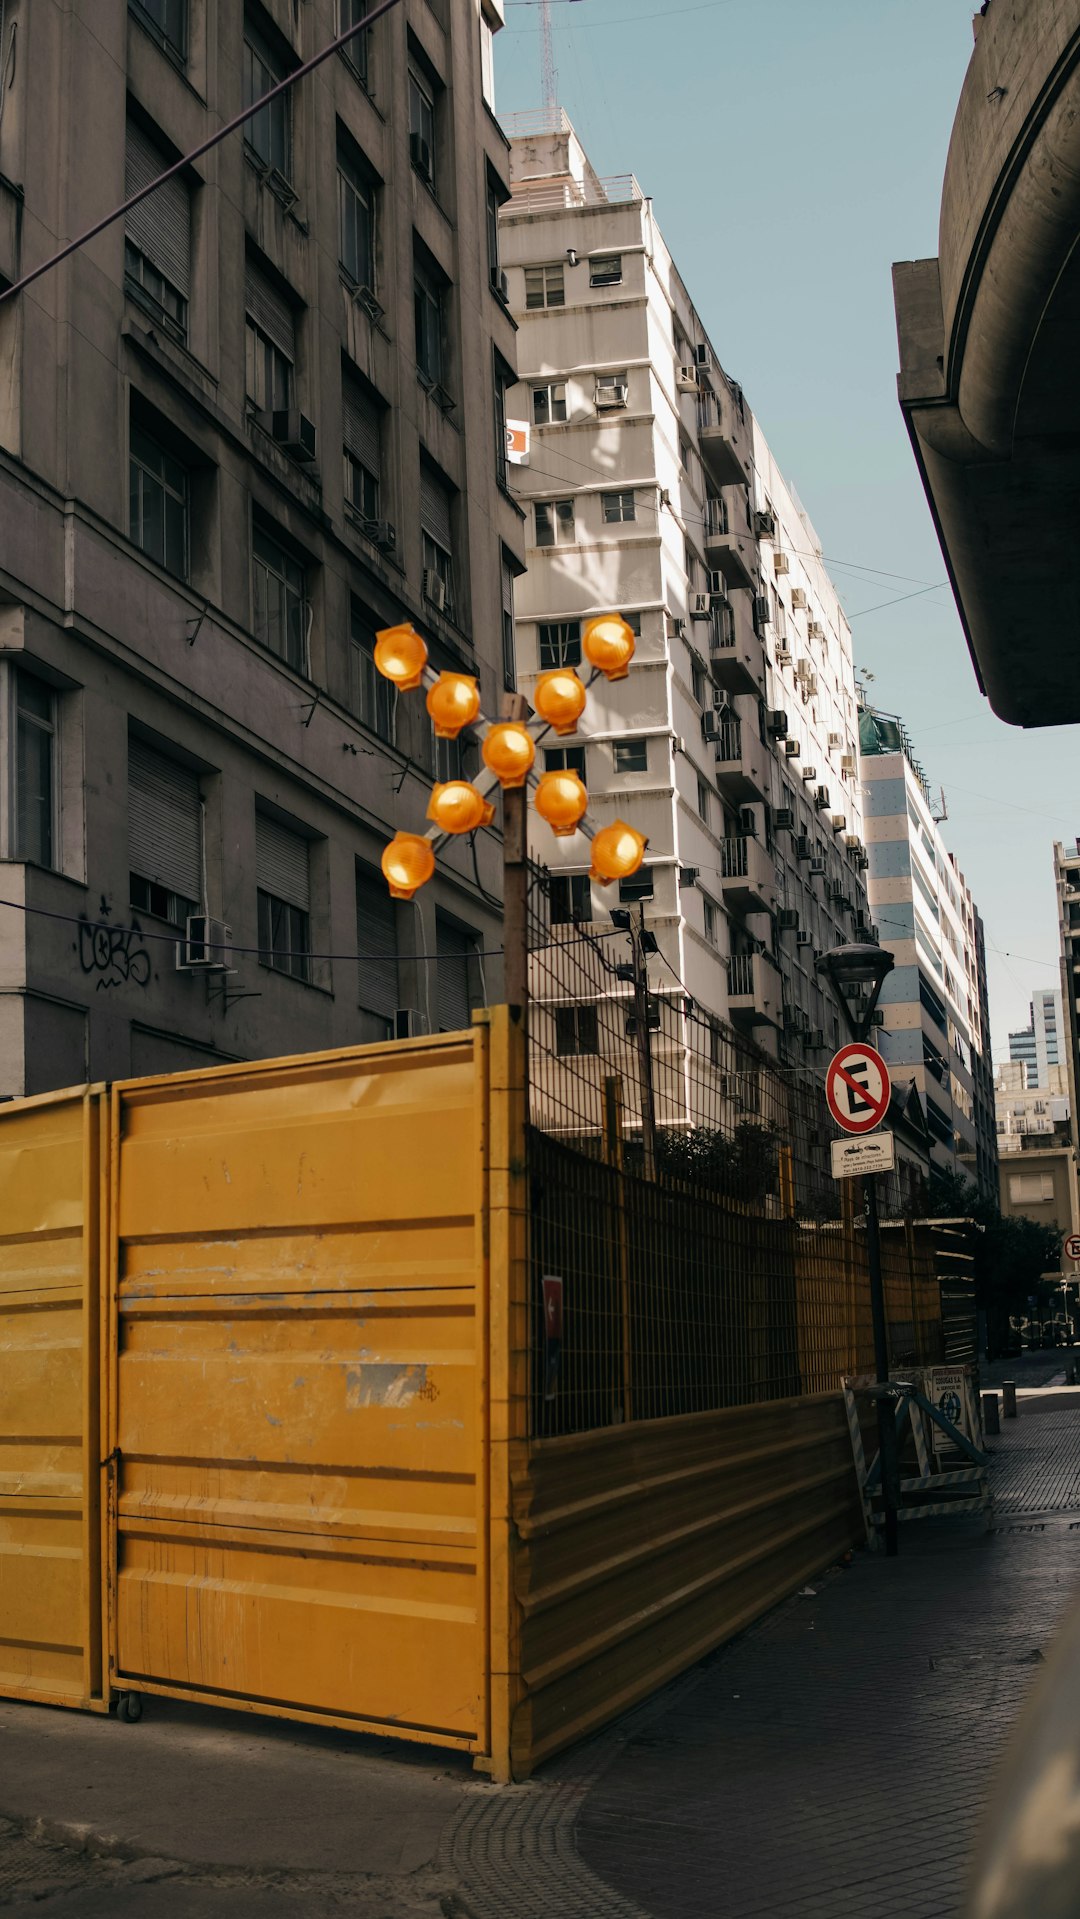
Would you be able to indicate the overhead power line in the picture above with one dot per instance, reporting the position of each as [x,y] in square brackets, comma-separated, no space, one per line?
[187,159]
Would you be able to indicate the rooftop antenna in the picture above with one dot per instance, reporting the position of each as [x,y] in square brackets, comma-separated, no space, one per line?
[548,76]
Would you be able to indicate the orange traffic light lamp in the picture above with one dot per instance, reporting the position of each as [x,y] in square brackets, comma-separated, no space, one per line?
[453,702]
[456,806]
[608,644]
[562,801]
[401,656]
[617,852]
[508,752]
[559,697]
[407,863]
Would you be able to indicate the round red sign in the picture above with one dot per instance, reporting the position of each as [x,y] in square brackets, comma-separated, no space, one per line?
[857,1088]
[1072,1246]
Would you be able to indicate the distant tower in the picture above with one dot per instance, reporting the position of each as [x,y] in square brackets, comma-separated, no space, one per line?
[549,77]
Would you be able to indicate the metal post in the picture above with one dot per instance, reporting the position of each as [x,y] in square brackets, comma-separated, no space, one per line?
[990,1413]
[515,879]
[613,1153]
[886,1405]
[1008,1396]
[644,1044]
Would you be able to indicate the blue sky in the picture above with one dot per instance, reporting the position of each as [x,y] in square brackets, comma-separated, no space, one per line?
[794,149]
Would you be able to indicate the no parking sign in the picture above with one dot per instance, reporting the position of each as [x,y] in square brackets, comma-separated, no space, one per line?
[858,1088]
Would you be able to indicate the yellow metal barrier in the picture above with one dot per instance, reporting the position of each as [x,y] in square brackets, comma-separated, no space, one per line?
[50,1561]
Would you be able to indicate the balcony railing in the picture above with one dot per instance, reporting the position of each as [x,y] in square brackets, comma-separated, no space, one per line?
[735,860]
[557,191]
[740,973]
[729,743]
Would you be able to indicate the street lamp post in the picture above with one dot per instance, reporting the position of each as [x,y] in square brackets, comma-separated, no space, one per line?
[857,974]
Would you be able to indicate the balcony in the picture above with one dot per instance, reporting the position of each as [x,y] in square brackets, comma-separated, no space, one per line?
[755,995]
[729,543]
[735,650]
[741,763]
[747,875]
[724,435]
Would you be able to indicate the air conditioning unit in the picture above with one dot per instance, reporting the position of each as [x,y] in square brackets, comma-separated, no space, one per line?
[435,589]
[409,1023]
[609,396]
[205,947]
[688,875]
[718,586]
[782,656]
[877,1017]
[814,1039]
[787,920]
[686,379]
[821,798]
[804,668]
[792,749]
[847,762]
[765,525]
[762,609]
[803,847]
[780,562]
[380,533]
[835,892]
[676,628]
[700,606]
[784,819]
[804,938]
[852,842]
[703,356]
[778,724]
[365,298]
[838,821]
[711,724]
[818,869]
[294,433]
[747,823]
[808,773]
[816,630]
[836,739]
[420,155]
[798,598]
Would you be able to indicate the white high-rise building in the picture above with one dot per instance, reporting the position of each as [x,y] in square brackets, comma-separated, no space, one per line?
[649,487]
[1039,1045]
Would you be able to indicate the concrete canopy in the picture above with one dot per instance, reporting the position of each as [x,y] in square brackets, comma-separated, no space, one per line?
[989,373]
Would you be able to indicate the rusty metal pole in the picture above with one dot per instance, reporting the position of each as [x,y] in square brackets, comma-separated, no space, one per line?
[515,879]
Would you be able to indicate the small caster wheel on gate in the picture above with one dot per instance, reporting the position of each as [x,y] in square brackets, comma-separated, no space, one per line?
[129,1707]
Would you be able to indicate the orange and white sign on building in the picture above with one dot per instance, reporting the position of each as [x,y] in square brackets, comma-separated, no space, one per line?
[517,442]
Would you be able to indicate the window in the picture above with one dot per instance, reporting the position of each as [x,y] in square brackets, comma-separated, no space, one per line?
[35,769]
[509,651]
[605,270]
[157,236]
[493,198]
[269,132]
[638,887]
[279,596]
[350,13]
[504,378]
[554,522]
[436,541]
[377,948]
[372,698]
[549,403]
[166,20]
[710,920]
[270,342]
[356,220]
[429,314]
[565,759]
[158,494]
[283,882]
[617,507]
[570,898]
[560,643]
[699,681]
[455,950]
[631,756]
[703,800]
[1030,1187]
[577,1030]
[164,834]
[362,448]
[544,286]
[422,126]
[487,60]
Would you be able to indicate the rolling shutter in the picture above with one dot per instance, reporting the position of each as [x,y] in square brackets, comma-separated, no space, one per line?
[360,426]
[160,226]
[164,822]
[271,313]
[435,509]
[281,862]
[376,945]
[454,950]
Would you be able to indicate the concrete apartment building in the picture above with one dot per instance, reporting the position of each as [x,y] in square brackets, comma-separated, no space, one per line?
[1038,1045]
[649,487]
[1038,1161]
[936,1028]
[235,439]
[1067,887]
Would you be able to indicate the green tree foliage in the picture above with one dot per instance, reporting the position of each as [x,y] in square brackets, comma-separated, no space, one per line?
[741,1165]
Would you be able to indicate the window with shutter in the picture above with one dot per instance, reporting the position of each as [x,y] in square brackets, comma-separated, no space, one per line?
[164,834]
[362,435]
[456,955]
[376,944]
[157,246]
[282,877]
[270,343]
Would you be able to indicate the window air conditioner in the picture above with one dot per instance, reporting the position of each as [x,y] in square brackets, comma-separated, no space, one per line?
[804,938]
[816,630]
[420,155]
[784,819]
[792,749]
[780,562]
[765,525]
[809,773]
[409,1023]
[435,589]
[838,821]
[609,396]
[778,724]
[814,1040]
[836,739]
[710,724]
[802,847]
[818,869]
[686,379]
[783,656]
[762,610]
[821,798]
[787,920]
[703,356]
[205,947]
[798,598]
[718,586]
[852,842]
[294,433]
[381,533]
[847,762]
[699,606]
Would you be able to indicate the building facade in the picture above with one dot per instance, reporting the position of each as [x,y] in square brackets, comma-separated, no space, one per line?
[1067,887]
[1037,1044]
[649,487]
[238,434]
[1038,1161]
[934,1004]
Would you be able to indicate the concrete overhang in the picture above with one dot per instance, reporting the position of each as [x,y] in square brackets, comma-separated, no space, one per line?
[989,362]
